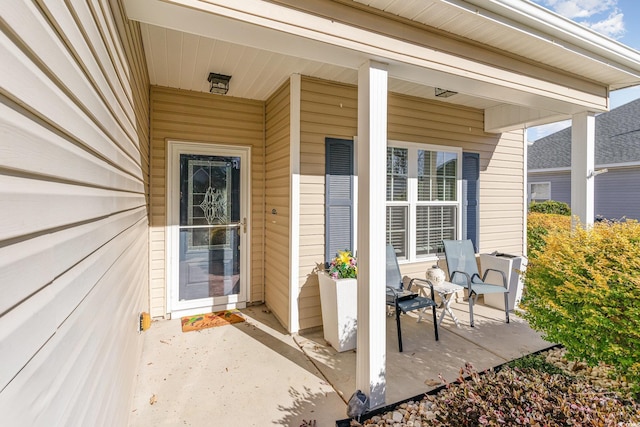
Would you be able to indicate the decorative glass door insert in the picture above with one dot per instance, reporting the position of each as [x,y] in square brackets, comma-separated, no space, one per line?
[206,242]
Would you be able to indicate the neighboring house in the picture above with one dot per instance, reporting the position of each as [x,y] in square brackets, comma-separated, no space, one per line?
[126,186]
[617,149]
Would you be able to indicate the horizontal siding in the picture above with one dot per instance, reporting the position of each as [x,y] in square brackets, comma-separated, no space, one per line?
[330,110]
[327,110]
[278,199]
[560,184]
[501,161]
[616,193]
[74,180]
[210,119]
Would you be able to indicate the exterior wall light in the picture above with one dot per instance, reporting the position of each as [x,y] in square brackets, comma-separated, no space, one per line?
[219,83]
[444,93]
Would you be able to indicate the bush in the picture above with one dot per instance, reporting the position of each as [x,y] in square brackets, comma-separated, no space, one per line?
[550,207]
[583,291]
[539,226]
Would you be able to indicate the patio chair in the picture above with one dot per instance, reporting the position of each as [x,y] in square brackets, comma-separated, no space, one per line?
[404,300]
[463,271]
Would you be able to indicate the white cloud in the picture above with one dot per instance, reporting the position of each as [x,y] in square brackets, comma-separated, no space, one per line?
[602,16]
[580,8]
[613,26]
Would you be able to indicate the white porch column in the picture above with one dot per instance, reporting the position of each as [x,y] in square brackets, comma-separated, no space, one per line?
[582,167]
[372,160]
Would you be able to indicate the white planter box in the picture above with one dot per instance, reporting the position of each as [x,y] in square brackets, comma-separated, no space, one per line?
[339,301]
[510,265]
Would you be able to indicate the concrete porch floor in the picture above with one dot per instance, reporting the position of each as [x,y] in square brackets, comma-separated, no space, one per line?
[255,374]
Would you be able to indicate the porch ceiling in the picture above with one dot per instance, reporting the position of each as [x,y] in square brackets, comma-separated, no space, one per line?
[255,73]
[426,43]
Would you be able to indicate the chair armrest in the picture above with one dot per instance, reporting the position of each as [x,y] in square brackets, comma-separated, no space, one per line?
[392,291]
[504,278]
[453,274]
[391,295]
[422,282]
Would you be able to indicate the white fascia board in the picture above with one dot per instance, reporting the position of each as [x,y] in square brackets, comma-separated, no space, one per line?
[546,25]
[597,166]
[303,35]
[506,117]
[550,170]
[618,165]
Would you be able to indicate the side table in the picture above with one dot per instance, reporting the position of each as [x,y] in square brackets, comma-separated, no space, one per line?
[446,290]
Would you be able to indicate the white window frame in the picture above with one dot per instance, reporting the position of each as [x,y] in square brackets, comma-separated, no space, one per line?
[531,199]
[412,193]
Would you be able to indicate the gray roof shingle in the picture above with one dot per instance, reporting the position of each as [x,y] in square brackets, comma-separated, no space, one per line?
[617,141]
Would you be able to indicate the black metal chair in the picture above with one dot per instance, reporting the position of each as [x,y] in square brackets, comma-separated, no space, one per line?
[463,271]
[404,300]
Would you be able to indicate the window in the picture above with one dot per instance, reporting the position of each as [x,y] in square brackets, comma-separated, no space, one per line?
[539,191]
[339,193]
[423,198]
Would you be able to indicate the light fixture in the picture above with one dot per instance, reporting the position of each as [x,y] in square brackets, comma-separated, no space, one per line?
[219,83]
[593,174]
[444,93]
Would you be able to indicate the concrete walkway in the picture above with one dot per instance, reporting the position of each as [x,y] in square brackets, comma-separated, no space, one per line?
[255,374]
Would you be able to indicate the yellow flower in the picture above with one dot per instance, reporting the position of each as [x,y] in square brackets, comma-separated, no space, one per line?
[344,257]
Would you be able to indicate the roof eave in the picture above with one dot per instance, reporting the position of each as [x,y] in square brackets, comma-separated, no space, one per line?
[554,28]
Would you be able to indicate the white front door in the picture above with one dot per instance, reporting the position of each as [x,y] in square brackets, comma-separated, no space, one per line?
[207,241]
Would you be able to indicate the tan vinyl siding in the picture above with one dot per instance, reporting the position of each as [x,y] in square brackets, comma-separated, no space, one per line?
[502,195]
[201,117]
[330,110]
[74,218]
[277,192]
[327,110]
[501,165]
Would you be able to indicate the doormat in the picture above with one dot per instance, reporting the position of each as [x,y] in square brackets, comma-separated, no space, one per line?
[211,320]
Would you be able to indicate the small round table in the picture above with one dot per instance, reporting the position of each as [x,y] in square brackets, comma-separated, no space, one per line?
[446,290]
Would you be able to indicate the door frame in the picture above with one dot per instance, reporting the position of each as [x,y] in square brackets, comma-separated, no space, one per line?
[174,307]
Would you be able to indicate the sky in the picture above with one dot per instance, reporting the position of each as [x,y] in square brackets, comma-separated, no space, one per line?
[618,19]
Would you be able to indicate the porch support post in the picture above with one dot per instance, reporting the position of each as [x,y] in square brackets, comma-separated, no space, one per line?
[372,161]
[582,167]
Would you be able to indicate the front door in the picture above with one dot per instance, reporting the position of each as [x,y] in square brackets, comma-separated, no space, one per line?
[207,245]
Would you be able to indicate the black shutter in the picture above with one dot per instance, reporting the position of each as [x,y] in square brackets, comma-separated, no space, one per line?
[470,197]
[338,196]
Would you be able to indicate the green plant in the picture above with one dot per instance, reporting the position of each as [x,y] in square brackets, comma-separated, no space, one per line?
[583,291]
[536,362]
[343,266]
[550,207]
[540,225]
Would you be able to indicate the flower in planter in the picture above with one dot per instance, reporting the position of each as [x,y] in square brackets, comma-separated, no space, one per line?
[343,266]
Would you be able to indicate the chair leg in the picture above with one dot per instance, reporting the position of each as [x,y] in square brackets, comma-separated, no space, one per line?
[506,305]
[399,328]
[471,301]
[435,322]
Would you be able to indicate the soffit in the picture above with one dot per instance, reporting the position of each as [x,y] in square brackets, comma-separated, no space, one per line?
[183,56]
[526,30]
[183,61]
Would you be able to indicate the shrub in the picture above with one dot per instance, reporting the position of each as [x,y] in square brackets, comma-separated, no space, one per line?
[550,207]
[583,291]
[540,225]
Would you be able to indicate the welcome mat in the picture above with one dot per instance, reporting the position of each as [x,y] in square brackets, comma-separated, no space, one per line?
[211,320]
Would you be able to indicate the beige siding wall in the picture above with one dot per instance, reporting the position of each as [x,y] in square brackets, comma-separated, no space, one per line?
[74,218]
[501,164]
[327,110]
[202,117]
[330,110]
[502,195]
[277,193]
